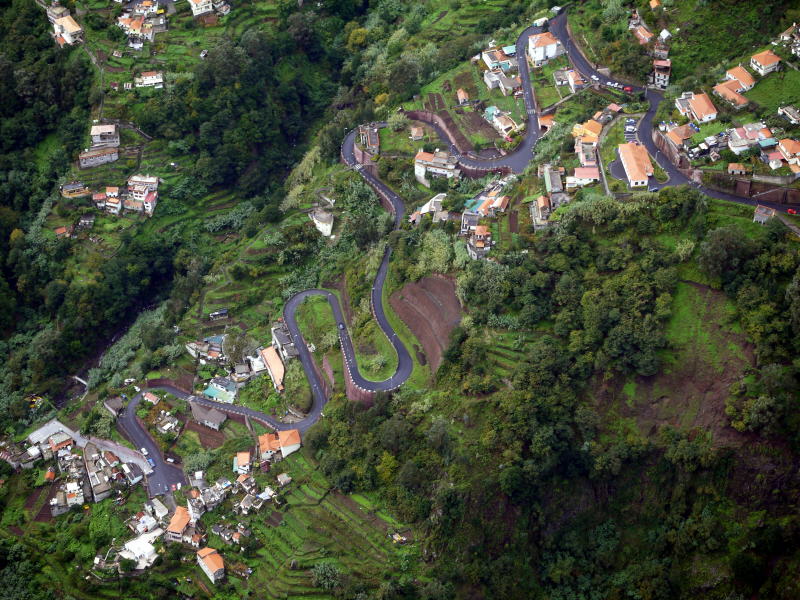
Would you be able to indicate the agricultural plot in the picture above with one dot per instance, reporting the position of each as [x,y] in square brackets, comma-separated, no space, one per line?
[317,524]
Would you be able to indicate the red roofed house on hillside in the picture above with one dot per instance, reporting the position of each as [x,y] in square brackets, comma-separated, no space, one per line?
[765,62]
[177,525]
[274,365]
[285,442]
[696,106]
[211,563]
[636,162]
[790,150]
[542,47]
[740,74]
[642,34]
[728,90]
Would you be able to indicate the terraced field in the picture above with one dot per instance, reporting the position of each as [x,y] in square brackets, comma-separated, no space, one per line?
[507,350]
[317,524]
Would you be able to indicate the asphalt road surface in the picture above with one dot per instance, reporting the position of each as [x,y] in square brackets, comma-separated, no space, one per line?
[165,475]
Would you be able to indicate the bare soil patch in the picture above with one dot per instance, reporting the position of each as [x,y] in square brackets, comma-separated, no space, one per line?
[478,125]
[208,437]
[513,221]
[431,310]
[44,515]
[459,139]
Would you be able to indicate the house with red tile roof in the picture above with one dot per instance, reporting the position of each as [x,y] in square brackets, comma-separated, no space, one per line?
[765,62]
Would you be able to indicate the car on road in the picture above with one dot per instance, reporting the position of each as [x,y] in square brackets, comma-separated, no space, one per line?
[595,78]
[791,211]
[341,326]
[144,451]
[627,88]
[653,189]
[609,83]
[170,460]
[152,462]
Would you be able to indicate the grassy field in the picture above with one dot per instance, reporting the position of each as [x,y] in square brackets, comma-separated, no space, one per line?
[776,90]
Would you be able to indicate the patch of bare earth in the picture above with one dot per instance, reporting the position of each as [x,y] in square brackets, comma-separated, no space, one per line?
[431,311]
[208,437]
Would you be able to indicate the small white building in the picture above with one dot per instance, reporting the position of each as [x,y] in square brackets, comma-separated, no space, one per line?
[141,549]
[438,163]
[201,7]
[154,79]
[323,221]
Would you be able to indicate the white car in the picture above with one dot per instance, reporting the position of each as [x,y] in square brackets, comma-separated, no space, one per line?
[609,83]
[144,451]
[595,77]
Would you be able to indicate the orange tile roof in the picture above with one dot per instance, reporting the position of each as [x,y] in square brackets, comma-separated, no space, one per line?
[275,364]
[481,230]
[702,106]
[462,95]
[766,58]
[179,520]
[242,458]
[546,119]
[636,161]
[289,437]
[543,202]
[242,477]
[543,39]
[593,127]
[268,443]
[736,167]
[426,156]
[212,559]
[642,34]
[50,475]
[727,90]
[742,75]
[654,4]
[790,146]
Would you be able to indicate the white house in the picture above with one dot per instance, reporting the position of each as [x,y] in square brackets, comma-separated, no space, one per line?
[211,563]
[201,7]
[498,79]
[439,163]
[104,135]
[154,79]
[765,62]
[542,47]
[67,31]
[141,550]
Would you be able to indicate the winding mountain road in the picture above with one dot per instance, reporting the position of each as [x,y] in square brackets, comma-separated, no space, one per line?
[166,475]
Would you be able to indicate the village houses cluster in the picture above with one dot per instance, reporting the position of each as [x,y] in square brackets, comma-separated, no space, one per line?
[183,525]
[82,471]
[140,196]
[698,108]
[265,360]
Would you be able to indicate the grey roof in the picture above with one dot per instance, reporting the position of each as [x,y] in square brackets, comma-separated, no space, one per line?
[210,415]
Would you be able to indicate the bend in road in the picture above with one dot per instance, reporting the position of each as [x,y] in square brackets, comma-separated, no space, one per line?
[164,475]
